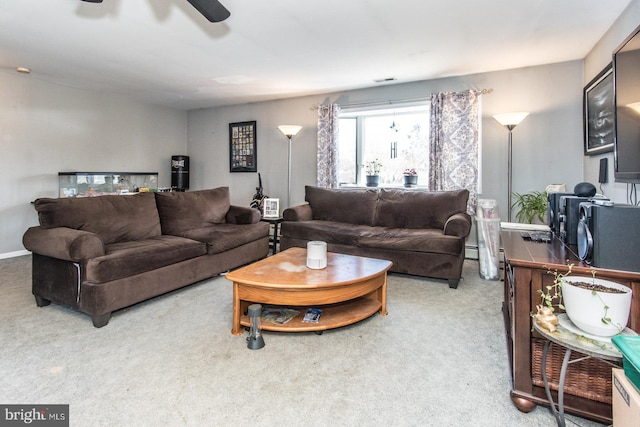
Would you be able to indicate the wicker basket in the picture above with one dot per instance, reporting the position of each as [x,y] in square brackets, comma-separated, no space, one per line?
[590,378]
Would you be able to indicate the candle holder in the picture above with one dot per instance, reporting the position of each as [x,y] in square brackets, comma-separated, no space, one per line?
[316,255]
[255,340]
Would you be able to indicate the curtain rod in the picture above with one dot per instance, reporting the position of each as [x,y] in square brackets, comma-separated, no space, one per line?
[399,101]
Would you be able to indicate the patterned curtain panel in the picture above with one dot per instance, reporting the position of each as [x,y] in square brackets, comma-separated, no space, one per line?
[328,145]
[453,144]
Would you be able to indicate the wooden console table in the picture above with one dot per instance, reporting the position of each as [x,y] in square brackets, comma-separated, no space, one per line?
[588,384]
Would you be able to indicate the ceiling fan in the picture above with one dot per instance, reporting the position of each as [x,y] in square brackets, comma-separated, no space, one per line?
[210,9]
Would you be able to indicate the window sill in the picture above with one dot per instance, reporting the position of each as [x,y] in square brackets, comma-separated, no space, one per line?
[392,186]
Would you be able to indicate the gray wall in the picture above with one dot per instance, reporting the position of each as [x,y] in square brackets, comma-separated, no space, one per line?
[547,144]
[46,128]
[596,60]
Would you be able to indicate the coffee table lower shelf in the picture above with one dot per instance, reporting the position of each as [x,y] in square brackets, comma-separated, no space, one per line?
[333,315]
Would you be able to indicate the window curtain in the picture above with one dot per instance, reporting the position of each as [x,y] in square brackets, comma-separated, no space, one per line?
[453,143]
[328,145]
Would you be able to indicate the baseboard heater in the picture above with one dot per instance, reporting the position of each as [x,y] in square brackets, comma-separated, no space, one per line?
[471,252]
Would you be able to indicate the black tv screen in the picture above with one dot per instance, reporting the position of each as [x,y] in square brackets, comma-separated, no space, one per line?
[626,78]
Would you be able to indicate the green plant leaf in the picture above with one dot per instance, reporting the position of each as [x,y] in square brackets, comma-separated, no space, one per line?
[530,206]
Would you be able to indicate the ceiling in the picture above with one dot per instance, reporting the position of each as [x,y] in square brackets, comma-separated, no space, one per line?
[164,52]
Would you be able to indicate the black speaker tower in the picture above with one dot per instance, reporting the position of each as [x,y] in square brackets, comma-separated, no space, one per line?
[179,173]
[609,236]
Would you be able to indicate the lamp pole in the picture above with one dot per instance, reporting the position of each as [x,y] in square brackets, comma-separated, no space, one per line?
[289,131]
[289,174]
[509,174]
[510,121]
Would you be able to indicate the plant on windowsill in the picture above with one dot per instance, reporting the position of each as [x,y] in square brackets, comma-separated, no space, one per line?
[531,206]
[372,172]
[596,306]
[410,177]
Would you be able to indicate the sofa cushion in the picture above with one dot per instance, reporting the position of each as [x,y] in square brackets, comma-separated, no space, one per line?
[418,209]
[183,211]
[222,237]
[127,259]
[112,218]
[326,231]
[410,240]
[352,206]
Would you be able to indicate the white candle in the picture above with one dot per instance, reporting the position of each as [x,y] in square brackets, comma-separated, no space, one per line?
[316,255]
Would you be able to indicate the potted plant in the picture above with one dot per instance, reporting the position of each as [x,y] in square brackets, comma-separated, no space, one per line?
[372,172]
[410,177]
[596,306]
[531,206]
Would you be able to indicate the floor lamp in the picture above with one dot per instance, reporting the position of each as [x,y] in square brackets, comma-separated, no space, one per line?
[289,131]
[510,121]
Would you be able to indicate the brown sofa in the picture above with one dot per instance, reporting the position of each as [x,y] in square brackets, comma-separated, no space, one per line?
[422,233]
[101,254]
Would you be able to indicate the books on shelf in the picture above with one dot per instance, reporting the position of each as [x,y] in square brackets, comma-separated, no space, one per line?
[281,315]
[312,315]
[278,315]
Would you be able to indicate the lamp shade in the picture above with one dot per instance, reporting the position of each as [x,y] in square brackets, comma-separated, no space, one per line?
[635,107]
[510,119]
[289,130]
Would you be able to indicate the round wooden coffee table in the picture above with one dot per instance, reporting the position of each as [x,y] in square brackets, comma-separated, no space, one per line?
[350,289]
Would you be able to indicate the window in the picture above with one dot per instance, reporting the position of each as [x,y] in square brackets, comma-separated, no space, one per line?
[397,137]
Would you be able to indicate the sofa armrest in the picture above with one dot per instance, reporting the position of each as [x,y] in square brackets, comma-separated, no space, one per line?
[298,213]
[458,225]
[242,215]
[63,243]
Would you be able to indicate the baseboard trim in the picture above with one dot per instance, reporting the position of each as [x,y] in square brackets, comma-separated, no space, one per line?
[14,254]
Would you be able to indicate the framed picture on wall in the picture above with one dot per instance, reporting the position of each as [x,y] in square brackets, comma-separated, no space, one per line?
[243,155]
[598,113]
[271,208]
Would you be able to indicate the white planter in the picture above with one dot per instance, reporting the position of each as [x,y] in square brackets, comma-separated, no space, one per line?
[586,309]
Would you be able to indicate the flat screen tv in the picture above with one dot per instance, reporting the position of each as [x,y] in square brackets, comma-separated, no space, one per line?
[626,81]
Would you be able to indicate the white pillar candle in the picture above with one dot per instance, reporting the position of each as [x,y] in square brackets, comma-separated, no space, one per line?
[316,255]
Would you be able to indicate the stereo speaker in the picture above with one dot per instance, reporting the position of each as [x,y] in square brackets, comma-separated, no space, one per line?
[602,177]
[609,236]
[180,173]
[569,217]
[553,211]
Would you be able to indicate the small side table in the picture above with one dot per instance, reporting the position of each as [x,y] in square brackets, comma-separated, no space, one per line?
[275,237]
[571,341]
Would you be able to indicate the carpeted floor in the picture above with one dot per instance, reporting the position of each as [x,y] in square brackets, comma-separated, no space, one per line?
[438,359]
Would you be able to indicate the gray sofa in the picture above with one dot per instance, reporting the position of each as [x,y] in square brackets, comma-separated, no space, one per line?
[423,233]
[101,254]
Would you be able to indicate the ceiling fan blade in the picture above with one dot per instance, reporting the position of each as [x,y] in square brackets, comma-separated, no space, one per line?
[211,9]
